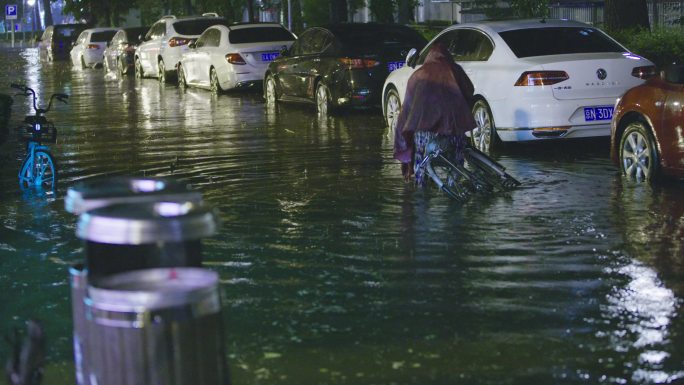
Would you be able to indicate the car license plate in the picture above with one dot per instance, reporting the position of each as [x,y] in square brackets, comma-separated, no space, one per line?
[269,56]
[394,65]
[598,113]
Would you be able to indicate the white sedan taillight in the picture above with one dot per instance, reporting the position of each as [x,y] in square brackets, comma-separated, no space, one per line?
[644,72]
[541,78]
[235,58]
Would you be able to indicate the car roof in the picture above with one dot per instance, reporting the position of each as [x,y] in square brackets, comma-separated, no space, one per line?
[509,25]
[101,29]
[249,25]
[342,27]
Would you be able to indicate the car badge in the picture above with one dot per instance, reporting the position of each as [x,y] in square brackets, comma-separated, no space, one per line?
[601,74]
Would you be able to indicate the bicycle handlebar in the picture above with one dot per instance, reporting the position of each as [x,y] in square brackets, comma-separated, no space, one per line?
[28,91]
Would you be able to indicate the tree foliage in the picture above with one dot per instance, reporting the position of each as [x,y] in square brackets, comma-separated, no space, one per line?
[625,14]
[530,8]
[382,10]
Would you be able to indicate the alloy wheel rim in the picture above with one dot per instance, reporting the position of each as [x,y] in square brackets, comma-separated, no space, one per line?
[181,77]
[162,72]
[214,81]
[270,90]
[636,157]
[322,99]
[392,110]
[482,133]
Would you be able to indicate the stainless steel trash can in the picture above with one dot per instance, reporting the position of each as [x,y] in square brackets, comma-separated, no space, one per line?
[157,326]
[126,237]
[99,192]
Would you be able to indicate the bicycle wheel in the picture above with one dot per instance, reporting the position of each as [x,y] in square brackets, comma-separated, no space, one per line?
[447,178]
[39,171]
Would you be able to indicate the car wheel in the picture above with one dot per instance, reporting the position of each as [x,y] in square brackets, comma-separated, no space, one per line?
[323,99]
[105,65]
[161,74]
[213,78]
[483,137]
[392,108]
[182,84]
[638,153]
[139,69]
[270,90]
[120,67]
[83,64]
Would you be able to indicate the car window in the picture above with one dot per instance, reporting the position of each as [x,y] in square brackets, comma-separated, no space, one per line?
[202,40]
[259,34]
[466,45]
[82,38]
[132,35]
[196,26]
[558,40]
[117,39]
[317,40]
[157,31]
[102,36]
[295,48]
[374,40]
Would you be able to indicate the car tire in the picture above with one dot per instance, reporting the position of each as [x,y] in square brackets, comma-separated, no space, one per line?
[120,68]
[105,66]
[483,137]
[270,90]
[214,82]
[182,83]
[639,158]
[83,63]
[323,105]
[392,108]
[161,71]
[139,72]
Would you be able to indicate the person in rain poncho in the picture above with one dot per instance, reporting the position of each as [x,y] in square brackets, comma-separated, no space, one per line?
[437,103]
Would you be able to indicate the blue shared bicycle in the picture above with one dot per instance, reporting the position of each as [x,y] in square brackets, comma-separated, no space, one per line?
[38,168]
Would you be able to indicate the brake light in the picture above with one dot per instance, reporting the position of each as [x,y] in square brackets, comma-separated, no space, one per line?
[644,72]
[93,46]
[178,41]
[359,63]
[541,78]
[235,58]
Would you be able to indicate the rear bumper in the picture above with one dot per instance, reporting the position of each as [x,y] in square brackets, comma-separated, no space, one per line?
[531,134]
[357,88]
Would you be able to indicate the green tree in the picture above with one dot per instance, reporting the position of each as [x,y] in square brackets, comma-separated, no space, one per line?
[48,12]
[530,8]
[383,10]
[625,14]
[97,12]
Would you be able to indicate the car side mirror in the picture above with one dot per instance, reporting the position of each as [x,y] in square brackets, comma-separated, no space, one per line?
[673,73]
[411,56]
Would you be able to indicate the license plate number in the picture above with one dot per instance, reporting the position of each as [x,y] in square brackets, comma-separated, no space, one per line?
[269,56]
[592,114]
[395,65]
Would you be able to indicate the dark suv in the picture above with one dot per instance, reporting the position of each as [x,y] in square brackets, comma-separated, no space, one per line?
[56,41]
[166,41]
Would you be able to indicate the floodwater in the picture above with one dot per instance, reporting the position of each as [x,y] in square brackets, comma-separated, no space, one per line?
[334,271]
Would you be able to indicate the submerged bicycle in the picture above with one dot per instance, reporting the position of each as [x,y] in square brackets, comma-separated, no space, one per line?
[479,173]
[38,168]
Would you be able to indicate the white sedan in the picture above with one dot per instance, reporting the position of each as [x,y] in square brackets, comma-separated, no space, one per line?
[534,79]
[88,50]
[232,57]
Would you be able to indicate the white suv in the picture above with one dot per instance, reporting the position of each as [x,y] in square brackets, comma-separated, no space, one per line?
[165,42]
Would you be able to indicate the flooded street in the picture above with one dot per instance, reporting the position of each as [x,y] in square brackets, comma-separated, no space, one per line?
[333,270]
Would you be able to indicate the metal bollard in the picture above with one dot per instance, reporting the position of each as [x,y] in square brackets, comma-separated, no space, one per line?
[157,326]
[101,192]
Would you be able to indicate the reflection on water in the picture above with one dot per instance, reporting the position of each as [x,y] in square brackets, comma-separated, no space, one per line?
[336,271]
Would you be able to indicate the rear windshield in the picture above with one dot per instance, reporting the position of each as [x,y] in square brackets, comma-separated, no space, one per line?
[67,32]
[558,41]
[371,40]
[133,35]
[259,35]
[102,36]
[197,26]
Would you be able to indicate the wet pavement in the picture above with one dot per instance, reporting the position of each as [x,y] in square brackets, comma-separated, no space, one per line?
[334,271]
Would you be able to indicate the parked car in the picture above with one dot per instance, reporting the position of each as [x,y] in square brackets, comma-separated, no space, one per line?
[340,64]
[119,55]
[90,45]
[57,40]
[647,138]
[232,57]
[166,41]
[534,79]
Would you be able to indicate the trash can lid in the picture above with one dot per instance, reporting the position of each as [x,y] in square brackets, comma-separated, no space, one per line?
[152,289]
[147,222]
[98,192]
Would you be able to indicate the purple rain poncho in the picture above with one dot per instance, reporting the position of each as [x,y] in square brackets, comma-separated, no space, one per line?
[437,100]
